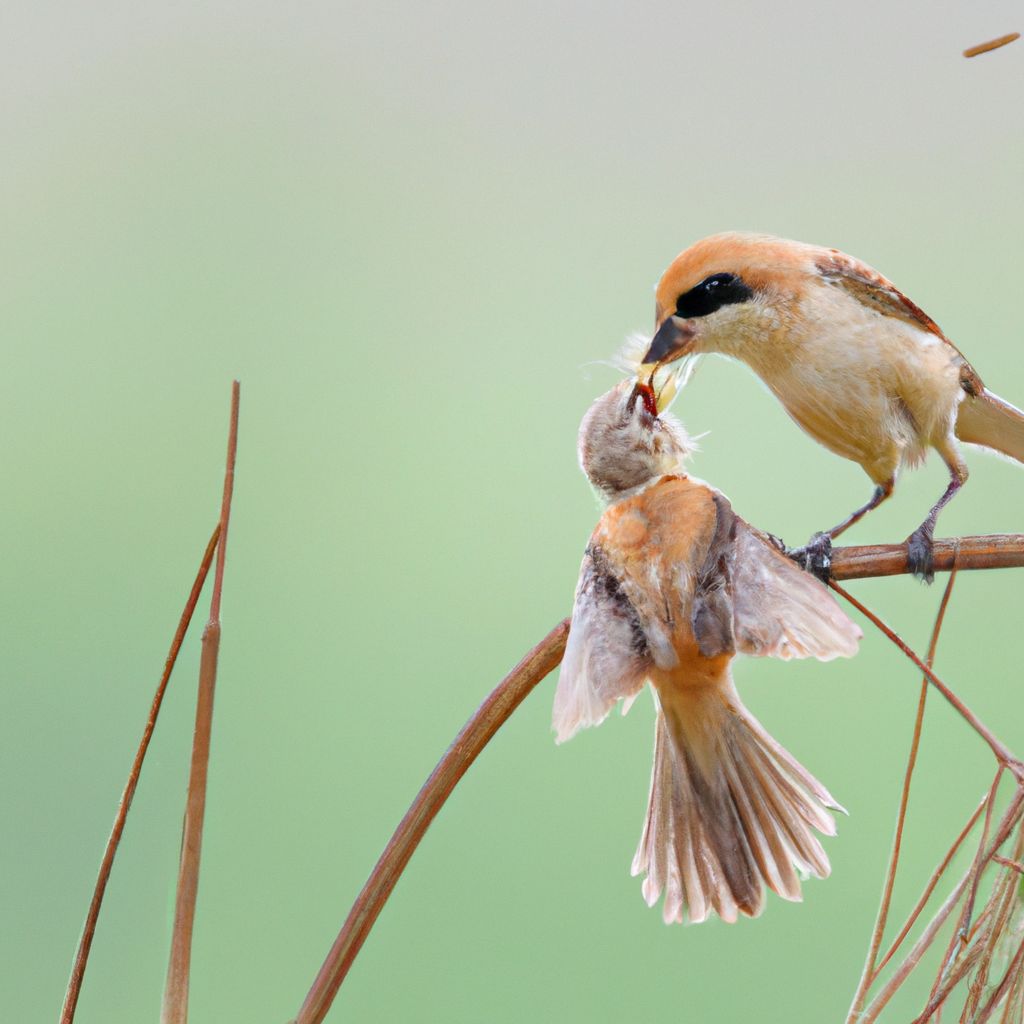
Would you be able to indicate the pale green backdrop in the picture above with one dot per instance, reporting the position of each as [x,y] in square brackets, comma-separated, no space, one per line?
[409,228]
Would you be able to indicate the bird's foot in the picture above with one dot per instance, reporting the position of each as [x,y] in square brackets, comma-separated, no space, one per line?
[815,556]
[920,560]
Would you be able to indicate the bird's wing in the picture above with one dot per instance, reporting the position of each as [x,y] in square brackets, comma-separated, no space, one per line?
[781,611]
[876,292]
[752,599]
[607,654]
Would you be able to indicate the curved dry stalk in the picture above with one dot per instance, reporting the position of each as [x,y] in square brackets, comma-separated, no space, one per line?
[987,552]
[67,1014]
[475,735]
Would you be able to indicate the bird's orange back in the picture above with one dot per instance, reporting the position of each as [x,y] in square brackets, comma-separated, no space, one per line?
[664,535]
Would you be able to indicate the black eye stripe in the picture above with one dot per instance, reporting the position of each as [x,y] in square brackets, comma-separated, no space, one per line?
[712,294]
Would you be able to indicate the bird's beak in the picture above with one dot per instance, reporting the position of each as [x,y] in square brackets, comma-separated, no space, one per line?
[644,392]
[674,339]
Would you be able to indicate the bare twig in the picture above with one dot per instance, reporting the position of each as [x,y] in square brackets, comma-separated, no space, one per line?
[1007,863]
[930,887]
[959,936]
[476,733]
[992,44]
[913,958]
[175,1005]
[870,974]
[74,988]
[1010,818]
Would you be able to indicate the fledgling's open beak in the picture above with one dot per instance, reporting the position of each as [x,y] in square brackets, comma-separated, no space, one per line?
[675,339]
[643,391]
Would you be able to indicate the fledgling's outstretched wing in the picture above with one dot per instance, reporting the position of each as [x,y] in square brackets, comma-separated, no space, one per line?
[606,656]
[781,611]
[751,599]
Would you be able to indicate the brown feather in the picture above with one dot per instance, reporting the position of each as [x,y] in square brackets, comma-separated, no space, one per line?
[987,420]
[868,286]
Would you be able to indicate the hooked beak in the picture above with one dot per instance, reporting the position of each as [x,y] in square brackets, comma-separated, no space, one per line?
[674,339]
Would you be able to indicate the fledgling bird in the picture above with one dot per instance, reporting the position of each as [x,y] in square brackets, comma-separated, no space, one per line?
[859,366]
[673,586]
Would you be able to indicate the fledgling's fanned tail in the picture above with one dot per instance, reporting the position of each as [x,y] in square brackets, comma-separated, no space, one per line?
[987,420]
[730,811]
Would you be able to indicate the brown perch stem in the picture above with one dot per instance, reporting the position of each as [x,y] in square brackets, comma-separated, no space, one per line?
[996,551]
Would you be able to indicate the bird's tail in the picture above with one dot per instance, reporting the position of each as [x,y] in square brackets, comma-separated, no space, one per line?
[987,420]
[729,811]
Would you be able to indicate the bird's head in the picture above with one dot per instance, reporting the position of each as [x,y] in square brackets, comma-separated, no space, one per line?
[725,293]
[626,439]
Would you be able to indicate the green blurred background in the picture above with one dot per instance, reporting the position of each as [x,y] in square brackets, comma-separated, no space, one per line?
[410,230]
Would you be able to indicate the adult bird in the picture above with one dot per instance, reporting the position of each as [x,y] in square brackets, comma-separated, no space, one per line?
[860,367]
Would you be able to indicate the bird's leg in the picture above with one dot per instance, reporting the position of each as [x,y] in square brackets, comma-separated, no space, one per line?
[882,491]
[919,543]
[816,555]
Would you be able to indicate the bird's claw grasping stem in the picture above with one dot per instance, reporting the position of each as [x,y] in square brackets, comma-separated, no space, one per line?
[815,556]
[920,557]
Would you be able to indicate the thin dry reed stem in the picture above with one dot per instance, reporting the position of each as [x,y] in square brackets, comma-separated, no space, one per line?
[932,883]
[946,978]
[1007,863]
[960,934]
[175,1004]
[913,958]
[870,974]
[67,1014]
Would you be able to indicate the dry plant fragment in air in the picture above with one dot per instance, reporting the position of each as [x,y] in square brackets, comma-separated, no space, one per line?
[992,44]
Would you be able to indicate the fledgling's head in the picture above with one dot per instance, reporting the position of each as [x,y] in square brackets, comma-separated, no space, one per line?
[730,291]
[625,441]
